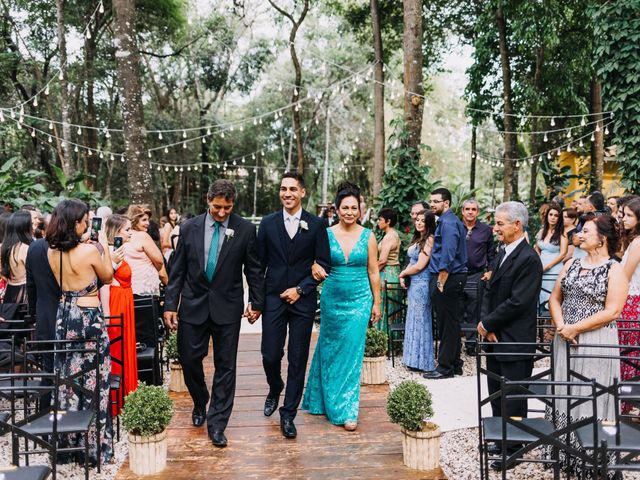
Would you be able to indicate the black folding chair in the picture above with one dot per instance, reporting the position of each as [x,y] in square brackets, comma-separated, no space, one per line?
[115,324]
[12,472]
[75,422]
[395,298]
[41,428]
[148,355]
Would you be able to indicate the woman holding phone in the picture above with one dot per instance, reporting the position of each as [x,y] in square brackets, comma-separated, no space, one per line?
[117,299]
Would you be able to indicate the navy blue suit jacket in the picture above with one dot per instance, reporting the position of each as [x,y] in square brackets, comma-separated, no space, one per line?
[287,262]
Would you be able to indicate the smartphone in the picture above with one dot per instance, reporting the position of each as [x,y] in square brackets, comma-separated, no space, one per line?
[117,242]
[96,225]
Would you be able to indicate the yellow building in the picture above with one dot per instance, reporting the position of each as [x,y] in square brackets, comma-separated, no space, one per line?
[581,166]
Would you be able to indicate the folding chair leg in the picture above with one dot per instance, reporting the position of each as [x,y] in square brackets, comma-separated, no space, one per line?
[86,454]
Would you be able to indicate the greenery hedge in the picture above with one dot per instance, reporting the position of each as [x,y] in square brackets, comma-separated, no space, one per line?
[376,343]
[409,405]
[171,347]
[147,411]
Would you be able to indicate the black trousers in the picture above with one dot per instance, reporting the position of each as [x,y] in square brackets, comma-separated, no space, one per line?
[516,370]
[472,310]
[274,333]
[193,346]
[449,307]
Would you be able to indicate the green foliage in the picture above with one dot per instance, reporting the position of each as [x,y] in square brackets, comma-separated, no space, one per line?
[409,405]
[617,56]
[376,343]
[405,181]
[147,411]
[18,186]
[459,194]
[171,347]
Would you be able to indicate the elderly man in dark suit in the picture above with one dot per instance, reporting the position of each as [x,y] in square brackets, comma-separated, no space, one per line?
[206,293]
[509,306]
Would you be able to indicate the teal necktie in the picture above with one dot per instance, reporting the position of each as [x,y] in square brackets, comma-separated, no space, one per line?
[213,251]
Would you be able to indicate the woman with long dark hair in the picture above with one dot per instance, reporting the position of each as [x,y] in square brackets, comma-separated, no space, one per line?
[172,217]
[350,301]
[13,256]
[4,219]
[631,311]
[552,246]
[79,268]
[417,352]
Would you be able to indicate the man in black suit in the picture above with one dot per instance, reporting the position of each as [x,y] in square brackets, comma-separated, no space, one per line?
[205,292]
[43,290]
[289,241]
[509,307]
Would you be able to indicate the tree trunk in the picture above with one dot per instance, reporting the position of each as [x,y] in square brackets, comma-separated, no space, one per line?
[474,159]
[597,146]
[536,147]
[510,187]
[297,124]
[128,67]
[412,47]
[92,161]
[325,167]
[378,102]
[66,160]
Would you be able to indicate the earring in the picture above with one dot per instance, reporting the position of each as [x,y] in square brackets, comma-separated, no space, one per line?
[601,244]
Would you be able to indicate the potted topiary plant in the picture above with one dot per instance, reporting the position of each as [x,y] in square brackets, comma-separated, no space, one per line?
[409,405]
[176,377]
[375,361]
[145,416]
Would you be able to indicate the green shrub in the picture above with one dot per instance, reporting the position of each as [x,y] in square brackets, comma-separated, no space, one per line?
[409,405]
[147,411]
[376,343]
[171,347]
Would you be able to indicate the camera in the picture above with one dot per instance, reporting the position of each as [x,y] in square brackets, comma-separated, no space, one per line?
[117,242]
[96,225]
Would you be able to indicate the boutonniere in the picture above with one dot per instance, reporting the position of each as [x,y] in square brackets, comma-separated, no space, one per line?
[229,233]
[304,225]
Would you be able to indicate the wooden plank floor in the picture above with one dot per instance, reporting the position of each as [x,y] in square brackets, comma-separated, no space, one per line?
[257,449]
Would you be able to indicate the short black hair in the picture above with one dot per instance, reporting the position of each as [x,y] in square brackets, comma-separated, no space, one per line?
[444,193]
[345,190]
[222,188]
[389,214]
[597,200]
[296,176]
[422,203]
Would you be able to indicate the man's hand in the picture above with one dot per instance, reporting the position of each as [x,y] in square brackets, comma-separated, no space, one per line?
[442,280]
[482,331]
[318,273]
[290,295]
[251,314]
[171,320]
[491,337]
[486,277]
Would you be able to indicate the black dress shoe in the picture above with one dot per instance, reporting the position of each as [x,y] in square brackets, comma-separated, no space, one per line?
[494,449]
[218,438]
[412,369]
[436,375]
[270,405]
[288,428]
[458,371]
[198,417]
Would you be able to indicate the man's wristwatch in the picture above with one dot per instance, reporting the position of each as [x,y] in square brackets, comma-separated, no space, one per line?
[299,290]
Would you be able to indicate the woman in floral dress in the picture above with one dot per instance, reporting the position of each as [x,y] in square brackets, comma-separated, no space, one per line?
[79,267]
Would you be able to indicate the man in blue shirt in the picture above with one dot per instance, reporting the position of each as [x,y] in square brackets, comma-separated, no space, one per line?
[448,268]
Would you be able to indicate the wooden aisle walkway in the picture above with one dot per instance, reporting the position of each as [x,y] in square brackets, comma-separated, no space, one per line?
[258,450]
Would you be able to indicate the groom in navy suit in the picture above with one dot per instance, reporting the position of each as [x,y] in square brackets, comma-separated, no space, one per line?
[289,241]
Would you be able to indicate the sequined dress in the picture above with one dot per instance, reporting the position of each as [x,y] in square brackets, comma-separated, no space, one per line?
[333,386]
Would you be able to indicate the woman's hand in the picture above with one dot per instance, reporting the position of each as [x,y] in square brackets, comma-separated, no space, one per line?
[318,273]
[402,284]
[375,313]
[118,255]
[102,240]
[569,333]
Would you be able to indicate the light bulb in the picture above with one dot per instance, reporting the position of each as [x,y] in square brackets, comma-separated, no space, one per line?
[76,149]
[606,130]
[593,137]
[101,8]
[204,140]
[149,153]
[208,131]
[184,134]
[88,35]
[222,134]
[597,126]
[184,145]
[546,139]
[159,135]
[46,90]
[553,121]
[583,122]
[61,75]
[33,133]
[35,101]
[50,125]
[166,150]
[79,131]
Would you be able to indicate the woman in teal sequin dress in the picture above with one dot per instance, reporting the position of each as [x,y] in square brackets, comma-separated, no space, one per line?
[350,299]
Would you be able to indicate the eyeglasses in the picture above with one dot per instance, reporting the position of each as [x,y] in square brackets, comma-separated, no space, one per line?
[436,201]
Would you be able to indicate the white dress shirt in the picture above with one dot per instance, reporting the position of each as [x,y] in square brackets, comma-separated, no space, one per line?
[508,249]
[292,222]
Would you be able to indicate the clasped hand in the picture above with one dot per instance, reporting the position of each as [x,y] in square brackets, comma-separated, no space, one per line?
[568,333]
[318,273]
[490,336]
[251,314]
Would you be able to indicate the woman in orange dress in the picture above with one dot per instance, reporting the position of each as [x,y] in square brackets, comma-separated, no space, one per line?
[120,301]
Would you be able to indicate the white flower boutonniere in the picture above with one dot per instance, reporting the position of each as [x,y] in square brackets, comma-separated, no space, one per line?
[304,225]
[229,233]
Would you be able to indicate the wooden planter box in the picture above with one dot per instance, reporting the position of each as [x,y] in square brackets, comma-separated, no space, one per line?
[148,455]
[176,378]
[421,450]
[373,371]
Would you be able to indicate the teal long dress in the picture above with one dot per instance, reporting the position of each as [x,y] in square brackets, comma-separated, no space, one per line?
[333,385]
